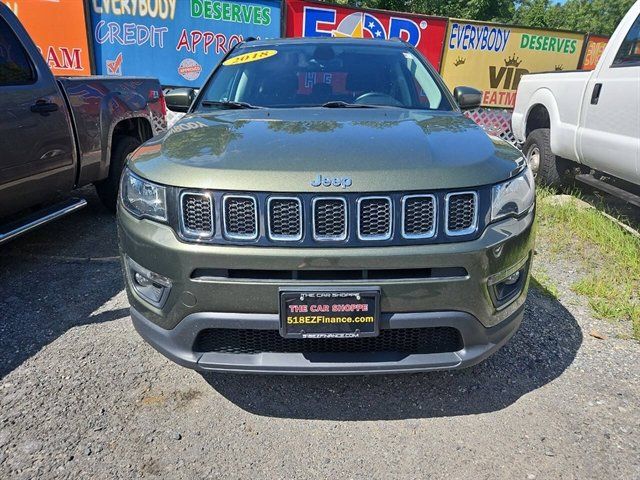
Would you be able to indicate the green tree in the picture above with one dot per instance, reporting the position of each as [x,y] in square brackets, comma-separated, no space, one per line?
[533,13]
[595,16]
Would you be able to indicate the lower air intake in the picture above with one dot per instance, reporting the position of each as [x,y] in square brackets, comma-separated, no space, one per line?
[405,341]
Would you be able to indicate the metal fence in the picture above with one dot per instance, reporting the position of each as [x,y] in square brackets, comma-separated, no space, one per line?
[494,121]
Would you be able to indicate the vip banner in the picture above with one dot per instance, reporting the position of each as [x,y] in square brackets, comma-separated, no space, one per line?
[314,19]
[177,41]
[59,29]
[493,57]
[593,51]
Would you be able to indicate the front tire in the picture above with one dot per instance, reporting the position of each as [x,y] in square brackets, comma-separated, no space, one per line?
[548,169]
[108,188]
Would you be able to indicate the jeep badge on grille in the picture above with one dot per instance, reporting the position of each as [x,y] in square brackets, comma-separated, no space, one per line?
[322,181]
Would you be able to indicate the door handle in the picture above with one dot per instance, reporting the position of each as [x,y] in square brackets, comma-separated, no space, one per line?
[595,96]
[44,108]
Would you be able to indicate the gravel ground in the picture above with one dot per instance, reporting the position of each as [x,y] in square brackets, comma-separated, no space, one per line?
[82,396]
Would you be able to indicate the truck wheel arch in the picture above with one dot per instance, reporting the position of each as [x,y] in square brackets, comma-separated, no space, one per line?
[544,113]
[136,127]
[125,137]
[107,189]
[538,117]
[542,127]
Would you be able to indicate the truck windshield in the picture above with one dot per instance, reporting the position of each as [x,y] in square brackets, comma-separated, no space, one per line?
[323,75]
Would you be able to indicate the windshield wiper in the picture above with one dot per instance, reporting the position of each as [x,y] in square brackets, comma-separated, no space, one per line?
[341,104]
[228,105]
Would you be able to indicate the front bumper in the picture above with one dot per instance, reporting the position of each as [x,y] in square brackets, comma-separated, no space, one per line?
[177,345]
[197,303]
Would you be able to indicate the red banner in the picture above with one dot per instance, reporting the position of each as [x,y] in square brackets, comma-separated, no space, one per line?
[59,30]
[593,51]
[315,19]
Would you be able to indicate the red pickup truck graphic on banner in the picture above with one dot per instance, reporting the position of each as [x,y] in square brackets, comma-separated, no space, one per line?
[312,19]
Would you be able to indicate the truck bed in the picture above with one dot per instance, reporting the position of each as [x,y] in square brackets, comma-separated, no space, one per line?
[567,90]
[98,104]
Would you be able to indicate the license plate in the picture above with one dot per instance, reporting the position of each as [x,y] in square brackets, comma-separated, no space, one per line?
[330,313]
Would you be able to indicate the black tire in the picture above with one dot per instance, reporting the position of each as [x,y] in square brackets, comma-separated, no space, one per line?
[551,169]
[108,188]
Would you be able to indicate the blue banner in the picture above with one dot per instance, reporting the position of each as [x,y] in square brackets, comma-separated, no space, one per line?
[177,41]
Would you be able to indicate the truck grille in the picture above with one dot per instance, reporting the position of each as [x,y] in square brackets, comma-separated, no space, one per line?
[340,220]
[401,341]
[419,216]
[240,217]
[461,213]
[329,219]
[285,218]
[374,218]
[197,214]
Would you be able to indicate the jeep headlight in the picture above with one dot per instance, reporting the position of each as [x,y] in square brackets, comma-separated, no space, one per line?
[513,197]
[143,198]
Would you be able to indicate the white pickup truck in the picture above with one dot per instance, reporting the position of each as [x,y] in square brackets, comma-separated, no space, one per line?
[587,122]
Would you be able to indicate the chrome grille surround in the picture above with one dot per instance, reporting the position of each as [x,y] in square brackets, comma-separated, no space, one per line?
[375,218]
[197,219]
[244,218]
[419,219]
[461,213]
[321,222]
[238,224]
[274,218]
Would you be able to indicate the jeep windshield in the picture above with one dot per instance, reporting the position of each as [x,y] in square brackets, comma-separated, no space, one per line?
[321,74]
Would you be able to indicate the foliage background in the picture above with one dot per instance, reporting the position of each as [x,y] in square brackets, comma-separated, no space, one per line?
[592,16]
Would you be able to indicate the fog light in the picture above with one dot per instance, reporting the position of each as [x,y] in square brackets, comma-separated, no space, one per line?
[513,278]
[505,290]
[142,281]
[151,286]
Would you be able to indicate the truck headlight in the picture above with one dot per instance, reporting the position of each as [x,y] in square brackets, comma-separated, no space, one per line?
[143,198]
[513,197]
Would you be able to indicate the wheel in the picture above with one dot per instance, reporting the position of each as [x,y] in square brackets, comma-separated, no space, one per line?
[548,169]
[108,188]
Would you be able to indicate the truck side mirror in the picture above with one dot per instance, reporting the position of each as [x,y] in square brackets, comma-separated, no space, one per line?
[467,97]
[180,99]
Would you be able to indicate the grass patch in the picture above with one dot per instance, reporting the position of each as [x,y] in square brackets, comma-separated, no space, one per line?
[609,254]
[541,281]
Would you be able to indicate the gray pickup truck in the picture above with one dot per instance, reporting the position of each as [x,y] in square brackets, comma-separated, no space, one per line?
[58,134]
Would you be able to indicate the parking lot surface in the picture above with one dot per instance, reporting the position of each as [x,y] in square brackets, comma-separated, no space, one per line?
[82,396]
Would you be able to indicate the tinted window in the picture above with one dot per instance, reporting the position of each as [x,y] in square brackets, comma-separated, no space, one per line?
[629,53]
[15,68]
[311,74]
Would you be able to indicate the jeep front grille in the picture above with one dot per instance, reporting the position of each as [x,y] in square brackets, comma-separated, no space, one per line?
[419,216]
[374,218]
[285,218]
[344,220]
[240,217]
[462,214]
[197,214]
[330,219]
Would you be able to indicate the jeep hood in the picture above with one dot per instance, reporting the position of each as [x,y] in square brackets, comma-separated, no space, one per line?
[380,149]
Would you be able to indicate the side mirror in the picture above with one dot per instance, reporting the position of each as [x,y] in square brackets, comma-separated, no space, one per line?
[467,97]
[180,99]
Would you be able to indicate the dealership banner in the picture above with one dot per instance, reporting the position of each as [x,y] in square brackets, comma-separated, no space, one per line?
[493,57]
[314,19]
[177,41]
[59,29]
[593,51]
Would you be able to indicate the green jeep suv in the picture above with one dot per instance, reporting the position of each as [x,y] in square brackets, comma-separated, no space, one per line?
[325,207]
